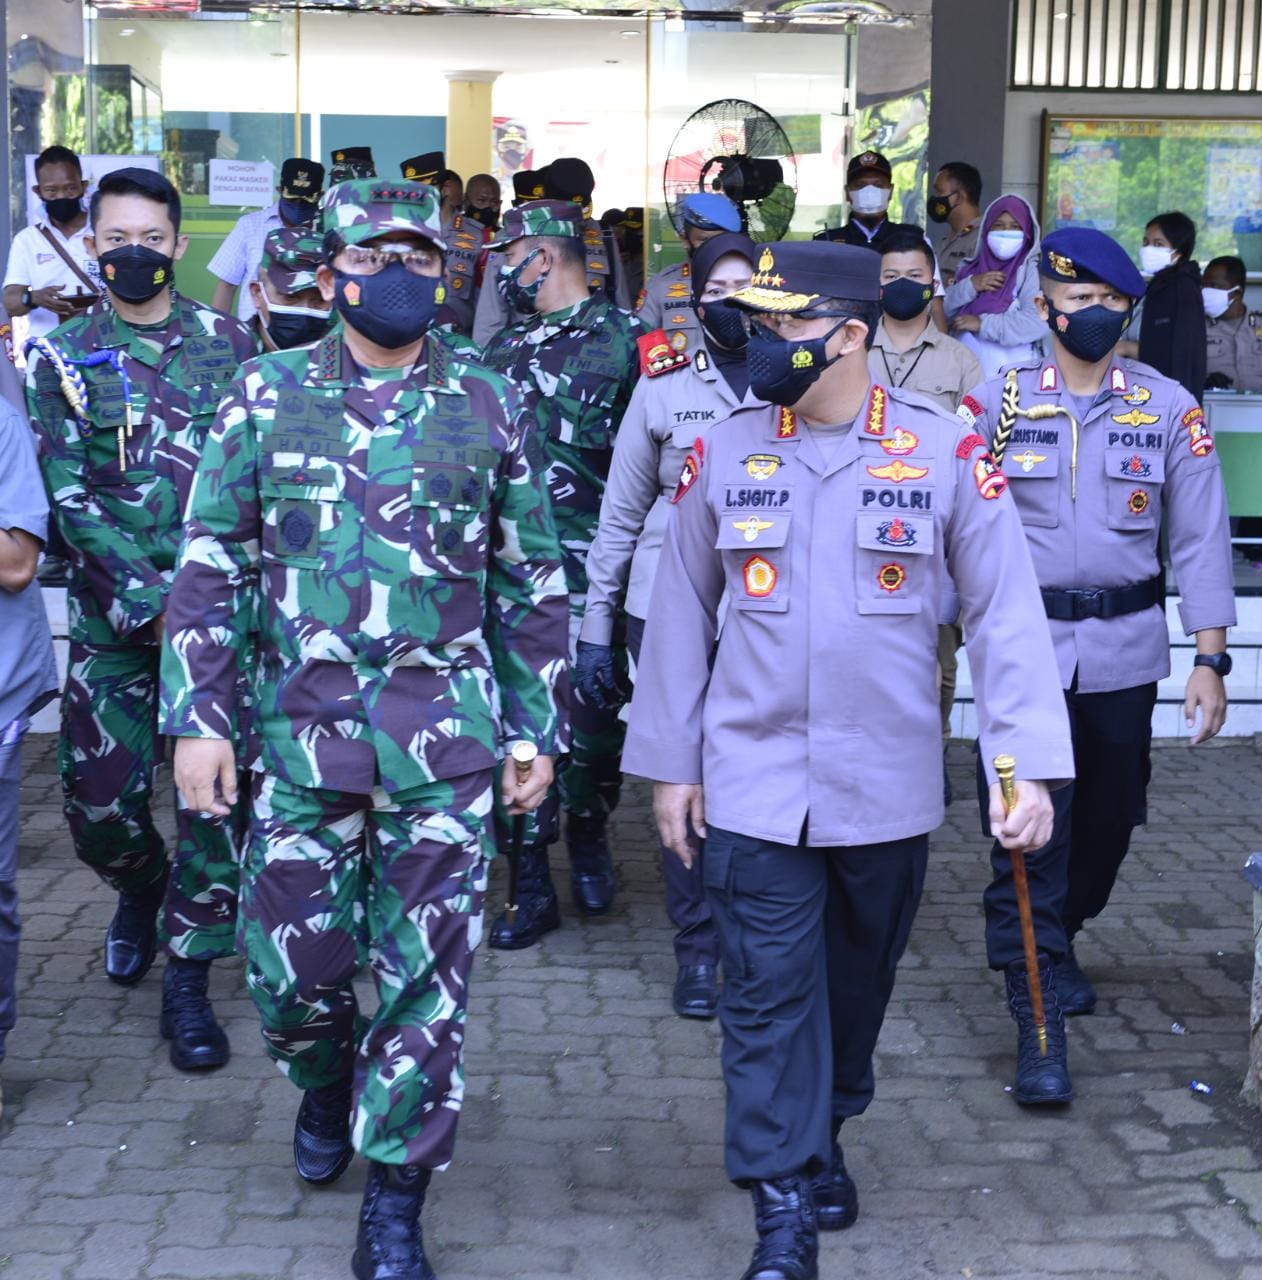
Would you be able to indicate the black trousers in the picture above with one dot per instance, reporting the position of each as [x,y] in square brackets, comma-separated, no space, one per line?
[810,940]
[695,939]
[1072,876]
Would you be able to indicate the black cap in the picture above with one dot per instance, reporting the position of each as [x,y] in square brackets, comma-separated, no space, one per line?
[352,162]
[301,179]
[795,275]
[865,161]
[569,178]
[424,168]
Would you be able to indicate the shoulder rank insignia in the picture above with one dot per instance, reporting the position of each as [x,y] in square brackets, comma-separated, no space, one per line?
[901,442]
[898,471]
[657,356]
[875,425]
[1134,418]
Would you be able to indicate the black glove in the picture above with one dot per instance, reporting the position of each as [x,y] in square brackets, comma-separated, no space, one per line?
[596,676]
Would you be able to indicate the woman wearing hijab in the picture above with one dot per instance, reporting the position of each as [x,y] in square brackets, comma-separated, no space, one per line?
[671,408]
[1172,319]
[991,304]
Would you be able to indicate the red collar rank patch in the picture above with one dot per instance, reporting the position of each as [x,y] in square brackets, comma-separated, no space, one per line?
[657,356]
[875,425]
[1117,380]
[969,445]
[1199,439]
[788,428]
[1048,381]
[991,482]
[969,412]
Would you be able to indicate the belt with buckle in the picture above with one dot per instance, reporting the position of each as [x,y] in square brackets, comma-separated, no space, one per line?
[1077,603]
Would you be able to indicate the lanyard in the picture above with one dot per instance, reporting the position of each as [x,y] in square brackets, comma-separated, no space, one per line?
[890,372]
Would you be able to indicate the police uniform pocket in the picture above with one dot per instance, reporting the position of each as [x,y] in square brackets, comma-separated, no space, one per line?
[449,519]
[1035,485]
[1134,490]
[893,562]
[755,547]
[301,505]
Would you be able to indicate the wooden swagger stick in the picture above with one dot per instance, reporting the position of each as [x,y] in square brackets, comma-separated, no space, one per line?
[1006,768]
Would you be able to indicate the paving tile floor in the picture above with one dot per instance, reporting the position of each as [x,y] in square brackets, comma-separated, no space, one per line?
[591,1144]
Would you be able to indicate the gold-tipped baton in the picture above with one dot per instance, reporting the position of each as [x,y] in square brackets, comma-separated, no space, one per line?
[523,756]
[1006,768]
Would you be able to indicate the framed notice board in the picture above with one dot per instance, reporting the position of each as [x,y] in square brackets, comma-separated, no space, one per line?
[1117,173]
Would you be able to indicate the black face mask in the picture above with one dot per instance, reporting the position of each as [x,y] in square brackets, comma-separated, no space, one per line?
[392,308]
[1089,334]
[725,325]
[64,208]
[939,208]
[485,216]
[297,212]
[295,326]
[905,299]
[136,274]
[782,372]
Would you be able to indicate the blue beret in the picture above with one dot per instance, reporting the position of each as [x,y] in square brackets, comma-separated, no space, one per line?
[709,211]
[1089,256]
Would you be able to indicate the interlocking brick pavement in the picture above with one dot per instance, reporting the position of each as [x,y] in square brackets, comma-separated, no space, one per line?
[591,1141]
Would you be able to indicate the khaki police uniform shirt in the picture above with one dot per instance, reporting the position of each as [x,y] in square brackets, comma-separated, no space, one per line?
[935,365]
[667,415]
[1234,348]
[957,248]
[1143,452]
[822,705]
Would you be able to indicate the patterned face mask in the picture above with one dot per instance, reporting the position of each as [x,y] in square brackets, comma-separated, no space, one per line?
[518,296]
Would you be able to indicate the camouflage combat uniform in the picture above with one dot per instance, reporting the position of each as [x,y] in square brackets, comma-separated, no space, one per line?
[577,368]
[387,537]
[122,521]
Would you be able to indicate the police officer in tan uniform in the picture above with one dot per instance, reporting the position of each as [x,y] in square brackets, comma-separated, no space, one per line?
[804,748]
[1233,334]
[1097,450]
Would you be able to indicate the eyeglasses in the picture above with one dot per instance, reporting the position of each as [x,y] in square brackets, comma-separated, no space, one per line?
[367,262]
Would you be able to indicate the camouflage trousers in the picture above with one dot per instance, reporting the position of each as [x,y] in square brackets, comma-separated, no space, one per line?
[109,750]
[322,870]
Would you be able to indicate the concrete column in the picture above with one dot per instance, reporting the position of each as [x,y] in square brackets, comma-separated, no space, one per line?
[969,83]
[469,121]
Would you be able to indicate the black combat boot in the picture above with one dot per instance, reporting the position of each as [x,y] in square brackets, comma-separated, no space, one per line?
[197,1041]
[131,942]
[537,909]
[835,1195]
[696,991]
[1041,1079]
[389,1245]
[322,1134]
[788,1246]
[591,867]
[1073,987]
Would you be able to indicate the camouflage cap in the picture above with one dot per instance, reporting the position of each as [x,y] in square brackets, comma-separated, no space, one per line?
[290,258]
[364,208]
[540,218]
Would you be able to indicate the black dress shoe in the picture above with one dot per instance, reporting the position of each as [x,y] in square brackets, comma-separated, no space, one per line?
[131,942]
[537,909]
[197,1041]
[1042,1078]
[591,866]
[389,1244]
[696,991]
[835,1195]
[1073,988]
[788,1246]
[322,1134]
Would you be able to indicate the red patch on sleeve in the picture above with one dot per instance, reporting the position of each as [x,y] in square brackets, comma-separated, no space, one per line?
[687,477]
[966,446]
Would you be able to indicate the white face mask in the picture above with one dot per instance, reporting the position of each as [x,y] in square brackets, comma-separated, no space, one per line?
[1217,300]
[1154,257]
[869,199]
[1005,244]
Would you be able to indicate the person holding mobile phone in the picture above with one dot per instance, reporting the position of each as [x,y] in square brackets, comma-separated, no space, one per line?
[50,276]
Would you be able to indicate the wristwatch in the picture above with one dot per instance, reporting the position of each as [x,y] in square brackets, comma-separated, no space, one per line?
[1220,662]
[26,297]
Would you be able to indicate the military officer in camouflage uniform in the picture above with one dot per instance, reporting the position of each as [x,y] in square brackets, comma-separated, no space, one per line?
[804,748]
[122,398]
[289,310]
[367,505]
[665,302]
[1098,450]
[675,404]
[576,361]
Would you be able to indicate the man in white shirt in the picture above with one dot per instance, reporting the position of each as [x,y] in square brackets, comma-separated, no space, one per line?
[49,276]
[237,259]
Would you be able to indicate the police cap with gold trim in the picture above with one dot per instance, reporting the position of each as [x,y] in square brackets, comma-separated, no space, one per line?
[1084,255]
[792,276]
[423,168]
[352,162]
[364,208]
[540,218]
